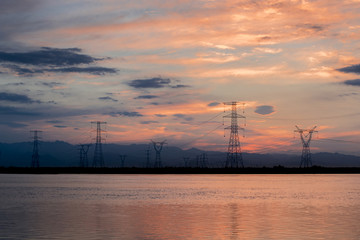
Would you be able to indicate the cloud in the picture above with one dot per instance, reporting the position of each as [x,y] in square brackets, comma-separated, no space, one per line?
[146,97]
[180,86]
[183,116]
[14,97]
[48,57]
[4,110]
[17,17]
[107,99]
[160,115]
[264,109]
[348,94]
[354,82]
[16,84]
[148,122]
[51,84]
[125,114]
[351,69]
[90,70]
[61,60]
[21,70]
[10,6]
[157,82]
[30,72]
[60,126]
[312,27]
[213,104]
[150,83]
[268,50]
[13,124]
[54,121]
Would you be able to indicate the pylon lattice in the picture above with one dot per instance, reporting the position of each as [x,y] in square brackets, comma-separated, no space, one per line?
[203,160]
[122,160]
[83,150]
[305,136]
[234,155]
[148,164]
[158,147]
[98,160]
[186,162]
[35,155]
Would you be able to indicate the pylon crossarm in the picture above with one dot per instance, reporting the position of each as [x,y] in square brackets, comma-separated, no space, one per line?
[234,115]
[305,139]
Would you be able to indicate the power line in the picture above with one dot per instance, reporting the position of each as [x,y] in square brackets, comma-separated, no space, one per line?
[278,145]
[202,136]
[201,123]
[205,134]
[337,140]
[293,119]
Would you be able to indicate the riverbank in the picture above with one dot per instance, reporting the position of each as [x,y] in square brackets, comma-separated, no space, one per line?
[179,170]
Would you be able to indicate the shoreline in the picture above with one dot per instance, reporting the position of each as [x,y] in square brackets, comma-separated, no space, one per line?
[179,170]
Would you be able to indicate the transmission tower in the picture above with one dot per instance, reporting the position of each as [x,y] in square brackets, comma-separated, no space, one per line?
[186,162]
[305,136]
[158,147]
[234,155]
[148,165]
[98,160]
[35,155]
[122,159]
[203,160]
[83,149]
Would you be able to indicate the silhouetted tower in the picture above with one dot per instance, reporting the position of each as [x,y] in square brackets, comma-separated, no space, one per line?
[186,162]
[98,160]
[148,164]
[158,147]
[203,160]
[35,155]
[234,156]
[122,159]
[305,136]
[83,150]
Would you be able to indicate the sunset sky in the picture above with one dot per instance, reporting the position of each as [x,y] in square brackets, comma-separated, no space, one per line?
[162,70]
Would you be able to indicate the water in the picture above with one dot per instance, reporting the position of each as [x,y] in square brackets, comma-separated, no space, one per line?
[179,207]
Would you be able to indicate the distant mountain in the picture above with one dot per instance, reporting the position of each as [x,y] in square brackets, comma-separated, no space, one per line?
[62,154]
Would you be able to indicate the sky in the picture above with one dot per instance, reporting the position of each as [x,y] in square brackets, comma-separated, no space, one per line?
[163,69]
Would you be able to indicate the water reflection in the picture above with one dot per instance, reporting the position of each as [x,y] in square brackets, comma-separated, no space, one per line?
[180,207]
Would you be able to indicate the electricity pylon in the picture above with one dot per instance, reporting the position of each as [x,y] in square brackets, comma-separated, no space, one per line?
[122,159]
[35,155]
[148,164]
[186,162]
[158,147]
[305,136]
[83,149]
[98,160]
[234,156]
[203,160]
